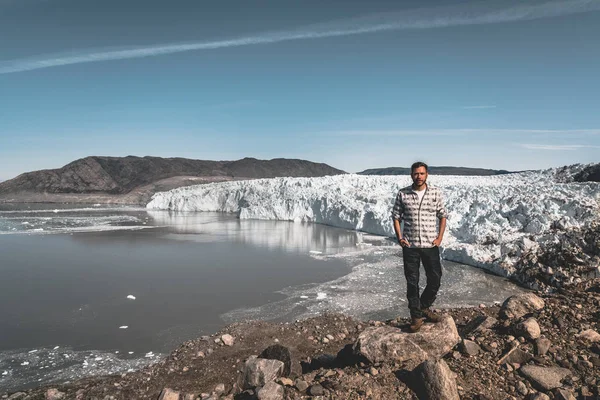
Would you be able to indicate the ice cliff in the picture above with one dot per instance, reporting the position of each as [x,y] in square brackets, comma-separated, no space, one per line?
[491,219]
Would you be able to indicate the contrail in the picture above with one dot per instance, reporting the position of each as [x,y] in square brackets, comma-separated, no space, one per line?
[441,17]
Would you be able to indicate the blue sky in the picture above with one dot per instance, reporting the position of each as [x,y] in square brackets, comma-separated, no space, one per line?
[355,84]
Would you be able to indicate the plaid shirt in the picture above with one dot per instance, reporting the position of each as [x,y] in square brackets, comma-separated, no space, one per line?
[420,218]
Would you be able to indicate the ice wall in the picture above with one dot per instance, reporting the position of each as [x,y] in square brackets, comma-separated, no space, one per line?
[488,216]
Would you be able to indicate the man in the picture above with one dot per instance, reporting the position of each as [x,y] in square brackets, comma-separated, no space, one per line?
[420,207]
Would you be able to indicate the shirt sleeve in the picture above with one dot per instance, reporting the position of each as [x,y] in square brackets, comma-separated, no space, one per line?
[440,208]
[398,209]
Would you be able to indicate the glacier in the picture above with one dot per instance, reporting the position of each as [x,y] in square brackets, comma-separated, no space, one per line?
[492,219]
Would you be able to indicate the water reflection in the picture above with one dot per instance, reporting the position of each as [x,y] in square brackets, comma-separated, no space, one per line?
[283,235]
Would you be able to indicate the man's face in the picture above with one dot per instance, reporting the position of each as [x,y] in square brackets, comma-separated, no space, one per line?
[419,176]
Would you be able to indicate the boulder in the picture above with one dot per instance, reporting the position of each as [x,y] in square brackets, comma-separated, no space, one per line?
[515,356]
[478,324]
[168,394]
[529,329]
[564,394]
[469,348]
[281,353]
[435,381]
[227,339]
[271,391]
[538,396]
[385,343]
[521,304]
[259,371]
[544,378]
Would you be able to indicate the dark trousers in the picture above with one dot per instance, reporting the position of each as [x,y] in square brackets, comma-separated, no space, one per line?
[430,257]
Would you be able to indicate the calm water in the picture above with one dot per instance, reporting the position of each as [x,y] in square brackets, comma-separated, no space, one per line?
[66,274]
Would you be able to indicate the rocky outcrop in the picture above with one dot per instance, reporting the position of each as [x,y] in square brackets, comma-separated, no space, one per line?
[385,343]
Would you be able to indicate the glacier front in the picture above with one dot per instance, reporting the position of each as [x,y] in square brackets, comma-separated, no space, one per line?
[492,220]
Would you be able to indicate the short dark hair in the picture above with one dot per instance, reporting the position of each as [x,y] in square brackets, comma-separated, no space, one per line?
[418,164]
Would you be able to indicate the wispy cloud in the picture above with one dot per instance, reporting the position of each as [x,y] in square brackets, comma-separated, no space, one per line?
[459,132]
[477,107]
[440,17]
[559,147]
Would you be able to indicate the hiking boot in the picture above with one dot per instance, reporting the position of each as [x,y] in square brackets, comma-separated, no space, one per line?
[430,315]
[416,324]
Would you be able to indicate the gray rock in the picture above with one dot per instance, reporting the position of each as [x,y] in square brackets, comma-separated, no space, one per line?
[281,353]
[515,356]
[539,396]
[544,378]
[54,394]
[590,335]
[227,339]
[316,390]
[168,394]
[521,304]
[17,396]
[522,388]
[435,381]
[385,343]
[220,388]
[259,371]
[301,385]
[564,394]
[469,348]
[542,345]
[478,324]
[271,391]
[529,329]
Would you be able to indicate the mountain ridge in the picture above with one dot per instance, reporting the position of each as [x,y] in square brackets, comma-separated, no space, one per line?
[95,178]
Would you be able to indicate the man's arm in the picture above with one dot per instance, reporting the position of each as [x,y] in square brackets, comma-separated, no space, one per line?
[397,213]
[440,236]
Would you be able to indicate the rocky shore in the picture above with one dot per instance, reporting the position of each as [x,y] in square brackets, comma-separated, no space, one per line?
[534,346]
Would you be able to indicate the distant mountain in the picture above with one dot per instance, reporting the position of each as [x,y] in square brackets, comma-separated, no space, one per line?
[134,179]
[436,171]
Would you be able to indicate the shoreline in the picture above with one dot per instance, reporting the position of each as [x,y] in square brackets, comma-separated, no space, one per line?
[201,365]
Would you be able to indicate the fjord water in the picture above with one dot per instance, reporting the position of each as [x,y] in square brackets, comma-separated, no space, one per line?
[96,290]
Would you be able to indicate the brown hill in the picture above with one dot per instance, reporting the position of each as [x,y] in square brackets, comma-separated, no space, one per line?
[133,179]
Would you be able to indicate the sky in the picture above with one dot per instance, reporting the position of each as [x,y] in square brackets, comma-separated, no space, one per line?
[355,84]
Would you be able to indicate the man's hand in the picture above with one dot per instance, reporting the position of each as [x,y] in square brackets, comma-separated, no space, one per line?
[404,243]
[437,242]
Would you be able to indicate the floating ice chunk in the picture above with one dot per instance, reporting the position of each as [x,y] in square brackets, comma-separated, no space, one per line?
[321,296]
[315,252]
[304,297]
[131,352]
[25,363]
[149,354]
[33,351]
[98,359]
[117,352]
[131,297]
[123,327]
[55,348]
[5,373]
